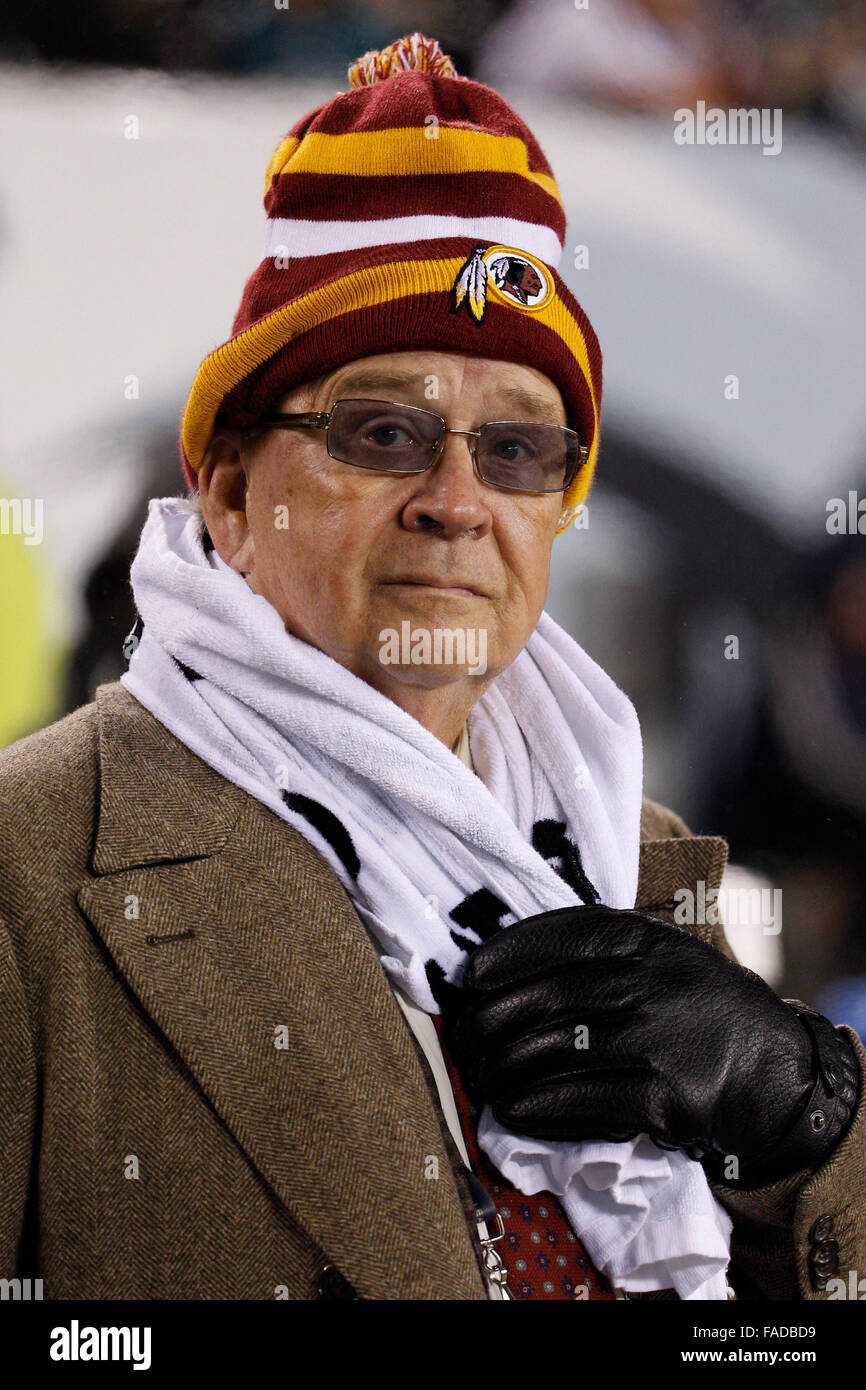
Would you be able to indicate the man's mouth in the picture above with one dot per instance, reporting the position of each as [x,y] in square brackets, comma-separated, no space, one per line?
[447,586]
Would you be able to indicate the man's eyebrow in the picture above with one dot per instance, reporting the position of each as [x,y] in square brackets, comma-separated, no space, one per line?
[381,380]
[531,402]
[519,398]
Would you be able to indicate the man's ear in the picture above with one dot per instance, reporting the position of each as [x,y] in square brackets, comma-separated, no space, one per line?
[222,485]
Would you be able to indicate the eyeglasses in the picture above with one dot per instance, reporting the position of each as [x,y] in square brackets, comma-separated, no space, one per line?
[385,437]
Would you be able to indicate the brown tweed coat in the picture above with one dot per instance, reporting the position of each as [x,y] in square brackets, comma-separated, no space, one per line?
[207,1088]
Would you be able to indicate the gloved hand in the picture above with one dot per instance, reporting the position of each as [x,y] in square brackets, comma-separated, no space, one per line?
[680,1043]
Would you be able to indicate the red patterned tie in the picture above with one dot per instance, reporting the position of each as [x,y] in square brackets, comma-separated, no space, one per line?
[543,1256]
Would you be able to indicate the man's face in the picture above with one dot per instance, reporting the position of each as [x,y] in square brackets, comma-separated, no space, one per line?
[345,554]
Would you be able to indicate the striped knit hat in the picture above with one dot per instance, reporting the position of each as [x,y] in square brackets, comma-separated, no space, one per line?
[414,211]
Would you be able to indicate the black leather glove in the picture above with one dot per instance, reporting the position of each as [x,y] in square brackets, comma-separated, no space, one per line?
[680,1043]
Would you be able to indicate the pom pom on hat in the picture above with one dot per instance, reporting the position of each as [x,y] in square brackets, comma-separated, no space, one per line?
[415,52]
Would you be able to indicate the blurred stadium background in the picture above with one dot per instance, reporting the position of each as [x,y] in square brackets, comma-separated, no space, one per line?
[122,262]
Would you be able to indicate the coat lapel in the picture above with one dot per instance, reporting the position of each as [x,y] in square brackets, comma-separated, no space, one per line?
[683,865]
[240,942]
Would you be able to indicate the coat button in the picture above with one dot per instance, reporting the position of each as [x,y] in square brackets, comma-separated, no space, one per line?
[333,1284]
[822,1228]
[825,1256]
[824,1260]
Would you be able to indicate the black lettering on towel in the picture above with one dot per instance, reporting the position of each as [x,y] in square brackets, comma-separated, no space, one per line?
[330,827]
[551,842]
[481,912]
[190,674]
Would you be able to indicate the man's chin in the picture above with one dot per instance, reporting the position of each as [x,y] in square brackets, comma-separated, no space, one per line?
[434,648]
[432,675]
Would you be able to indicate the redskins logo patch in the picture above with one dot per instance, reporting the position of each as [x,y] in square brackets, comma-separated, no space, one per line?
[507,274]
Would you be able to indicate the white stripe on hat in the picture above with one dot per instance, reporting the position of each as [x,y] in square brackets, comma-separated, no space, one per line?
[293,237]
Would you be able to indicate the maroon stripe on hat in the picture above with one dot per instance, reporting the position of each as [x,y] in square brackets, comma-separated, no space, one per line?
[340,198]
[410,99]
[422,322]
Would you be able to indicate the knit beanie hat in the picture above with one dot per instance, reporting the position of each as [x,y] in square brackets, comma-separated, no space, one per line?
[414,211]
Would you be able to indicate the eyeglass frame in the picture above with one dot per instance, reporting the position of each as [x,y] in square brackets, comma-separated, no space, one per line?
[321,419]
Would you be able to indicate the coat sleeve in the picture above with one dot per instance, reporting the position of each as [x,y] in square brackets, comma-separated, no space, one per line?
[789,1231]
[18,1104]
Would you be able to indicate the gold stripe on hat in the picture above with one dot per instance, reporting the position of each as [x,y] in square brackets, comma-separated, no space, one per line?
[405,150]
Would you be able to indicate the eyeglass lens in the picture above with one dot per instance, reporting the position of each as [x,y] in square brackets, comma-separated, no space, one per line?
[387,437]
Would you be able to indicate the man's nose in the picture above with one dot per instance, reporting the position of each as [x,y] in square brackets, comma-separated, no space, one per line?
[450,497]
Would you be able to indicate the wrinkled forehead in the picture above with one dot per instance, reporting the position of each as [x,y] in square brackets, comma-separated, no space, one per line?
[447,378]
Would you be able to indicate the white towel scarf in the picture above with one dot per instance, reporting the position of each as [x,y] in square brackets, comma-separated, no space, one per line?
[415,837]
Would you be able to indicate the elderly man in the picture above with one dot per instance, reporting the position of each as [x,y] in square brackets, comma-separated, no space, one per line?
[341,954]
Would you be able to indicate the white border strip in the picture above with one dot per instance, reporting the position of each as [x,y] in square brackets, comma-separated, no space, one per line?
[291,237]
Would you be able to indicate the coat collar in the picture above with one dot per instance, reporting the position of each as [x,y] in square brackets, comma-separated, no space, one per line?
[157,800]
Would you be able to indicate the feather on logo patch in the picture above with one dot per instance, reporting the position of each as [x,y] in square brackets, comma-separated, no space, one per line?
[508,274]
